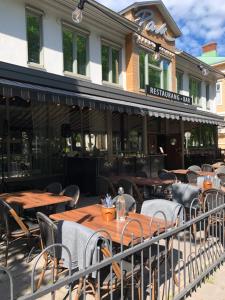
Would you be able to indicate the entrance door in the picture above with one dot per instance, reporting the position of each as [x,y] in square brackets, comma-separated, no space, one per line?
[173,151]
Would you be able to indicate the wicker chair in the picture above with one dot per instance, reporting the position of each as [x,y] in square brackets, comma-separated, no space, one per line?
[207,168]
[194,168]
[13,228]
[192,176]
[54,188]
[72,191]
[104,186]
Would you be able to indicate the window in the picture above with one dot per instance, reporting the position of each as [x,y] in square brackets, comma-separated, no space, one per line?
[207,96]
[218,94]
[179,77]
[75,52]
[110,64]
[34,37]
[195,91]
[153,73]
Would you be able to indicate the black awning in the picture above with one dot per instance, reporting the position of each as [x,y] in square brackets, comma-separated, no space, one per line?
[27,91]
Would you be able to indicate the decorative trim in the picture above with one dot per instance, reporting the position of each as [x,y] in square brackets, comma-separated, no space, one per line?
[34,9]
[74,28]
[151,45]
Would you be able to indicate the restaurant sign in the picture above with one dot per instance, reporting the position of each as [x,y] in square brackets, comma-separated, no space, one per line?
[167,94]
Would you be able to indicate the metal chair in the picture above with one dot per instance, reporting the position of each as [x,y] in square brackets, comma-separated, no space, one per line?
[131,188]
[49,236]
[220,170]
[72,191]
[14,228]
[54,188]
[221,176]
[192,176]
[104,186]
[130,202]
[194,168]
[207,168]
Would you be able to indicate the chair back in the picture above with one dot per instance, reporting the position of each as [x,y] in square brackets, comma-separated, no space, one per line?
[131,188]
[166,175]
[184,193]
[212,198]
[173,211]
[104,186]
[10,217]
[192,176]
[54,188]
[130,202]
[221,176]
[220,170]
[207,168]
[48,231]
[72,191]
[194,168]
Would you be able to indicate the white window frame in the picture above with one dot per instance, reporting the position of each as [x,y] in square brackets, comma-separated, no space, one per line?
[207,84]
[219,101]
[75,33]
[199,104]
[182,82]
[160,68]
[111,46]
[37,13]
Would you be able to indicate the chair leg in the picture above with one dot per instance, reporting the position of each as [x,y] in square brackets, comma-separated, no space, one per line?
[139,290]
[79,288]
[43,271]
[6,253]
[55,270]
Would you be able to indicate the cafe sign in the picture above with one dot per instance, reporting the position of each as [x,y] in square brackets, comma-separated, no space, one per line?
[145,19]
[167,94]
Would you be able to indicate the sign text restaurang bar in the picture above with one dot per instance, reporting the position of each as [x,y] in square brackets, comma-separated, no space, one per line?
[167,94]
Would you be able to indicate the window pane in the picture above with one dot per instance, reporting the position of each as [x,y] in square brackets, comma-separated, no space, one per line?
[179,82]
[154,77]
[34,38]
[81,54]
[115,65]
[152,61]
[105,63]
[195,91]
[142,69]
[68,50]
[165,73]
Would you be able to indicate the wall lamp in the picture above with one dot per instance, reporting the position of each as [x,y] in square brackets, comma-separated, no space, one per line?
[204,71]
[77,14]
[156,55]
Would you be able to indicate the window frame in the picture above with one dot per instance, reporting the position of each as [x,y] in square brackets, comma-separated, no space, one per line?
[75,33]
[207,95]
[37,13]
[154,67]
[220,93]
[112,46]
[180,73]
[199,102]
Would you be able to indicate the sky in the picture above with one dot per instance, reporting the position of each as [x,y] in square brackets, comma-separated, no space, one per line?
[201,21]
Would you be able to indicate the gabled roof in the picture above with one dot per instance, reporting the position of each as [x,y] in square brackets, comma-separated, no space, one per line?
[163,10]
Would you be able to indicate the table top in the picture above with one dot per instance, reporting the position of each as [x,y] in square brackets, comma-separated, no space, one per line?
[90,216]
[142,181]
[200,173]
[34,198]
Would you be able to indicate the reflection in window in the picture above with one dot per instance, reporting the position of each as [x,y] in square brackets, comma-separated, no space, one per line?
[75,52]
[34,37]
[110,64]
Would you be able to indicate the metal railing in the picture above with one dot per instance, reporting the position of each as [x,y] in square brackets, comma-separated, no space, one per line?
[167,266]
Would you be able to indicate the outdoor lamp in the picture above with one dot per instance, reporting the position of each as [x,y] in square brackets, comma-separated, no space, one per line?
[204,71]
[156,54]
[77,14]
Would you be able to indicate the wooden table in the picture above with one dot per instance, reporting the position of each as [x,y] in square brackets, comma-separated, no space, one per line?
[142,181]
[184,172]
[90,216]
[34,198]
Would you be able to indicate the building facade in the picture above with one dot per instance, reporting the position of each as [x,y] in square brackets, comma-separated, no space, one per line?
[211,57]
[109,94]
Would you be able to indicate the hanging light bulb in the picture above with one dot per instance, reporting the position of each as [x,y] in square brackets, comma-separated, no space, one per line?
[204,71]
[156,54]
[77,14]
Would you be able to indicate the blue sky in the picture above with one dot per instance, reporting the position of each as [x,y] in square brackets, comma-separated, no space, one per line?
[201,21]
